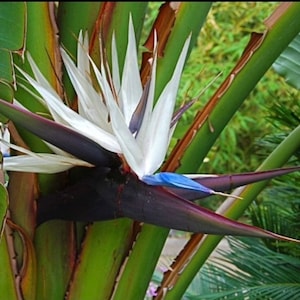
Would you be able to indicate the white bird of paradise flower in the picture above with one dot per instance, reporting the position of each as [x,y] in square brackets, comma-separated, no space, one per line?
[110,120]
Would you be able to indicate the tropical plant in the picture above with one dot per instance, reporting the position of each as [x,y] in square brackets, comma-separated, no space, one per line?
[248,271]
[90,126]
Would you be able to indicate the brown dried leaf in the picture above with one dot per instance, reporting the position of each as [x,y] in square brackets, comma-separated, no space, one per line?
[162,26]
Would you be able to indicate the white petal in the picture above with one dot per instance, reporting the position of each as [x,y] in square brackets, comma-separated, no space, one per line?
[83,62]
[4,133]
[115,64]
[90,102]
[57,150]
[83,66]
[156,141]
[127,142]
[131,88]
[66,116]
[40,77]
[130,148]
[41,163]
[142,135]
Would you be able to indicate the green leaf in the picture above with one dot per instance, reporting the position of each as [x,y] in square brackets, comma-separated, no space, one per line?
[12,25]
[288,63]
[12,36]
[41,42]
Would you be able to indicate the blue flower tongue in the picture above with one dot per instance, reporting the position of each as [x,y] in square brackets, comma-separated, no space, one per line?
[180,181]
[176,180]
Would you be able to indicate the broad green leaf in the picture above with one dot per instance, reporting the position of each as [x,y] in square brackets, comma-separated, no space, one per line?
[41,43]
[12,37]
[22,207]
[288,63]
[12,25]
[6,90]
[8,285]
[72,17]
[6,75]
[141,263]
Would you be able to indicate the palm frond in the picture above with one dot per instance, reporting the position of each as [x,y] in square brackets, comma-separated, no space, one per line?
[248,271]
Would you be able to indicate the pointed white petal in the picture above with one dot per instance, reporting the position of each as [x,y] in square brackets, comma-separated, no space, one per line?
[127,142]
[57,150]
[142,135]
[156,141]
[195,176]
[83,66]
[115,64]
[131,88]
[42,163]
[39,162]
[104,83]
[89,101]
[66,116]
[83,62]
[39,76]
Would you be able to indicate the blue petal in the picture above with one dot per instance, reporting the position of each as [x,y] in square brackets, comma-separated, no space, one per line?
[175,180]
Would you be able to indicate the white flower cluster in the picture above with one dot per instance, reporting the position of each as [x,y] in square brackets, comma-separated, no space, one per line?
[109,117]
